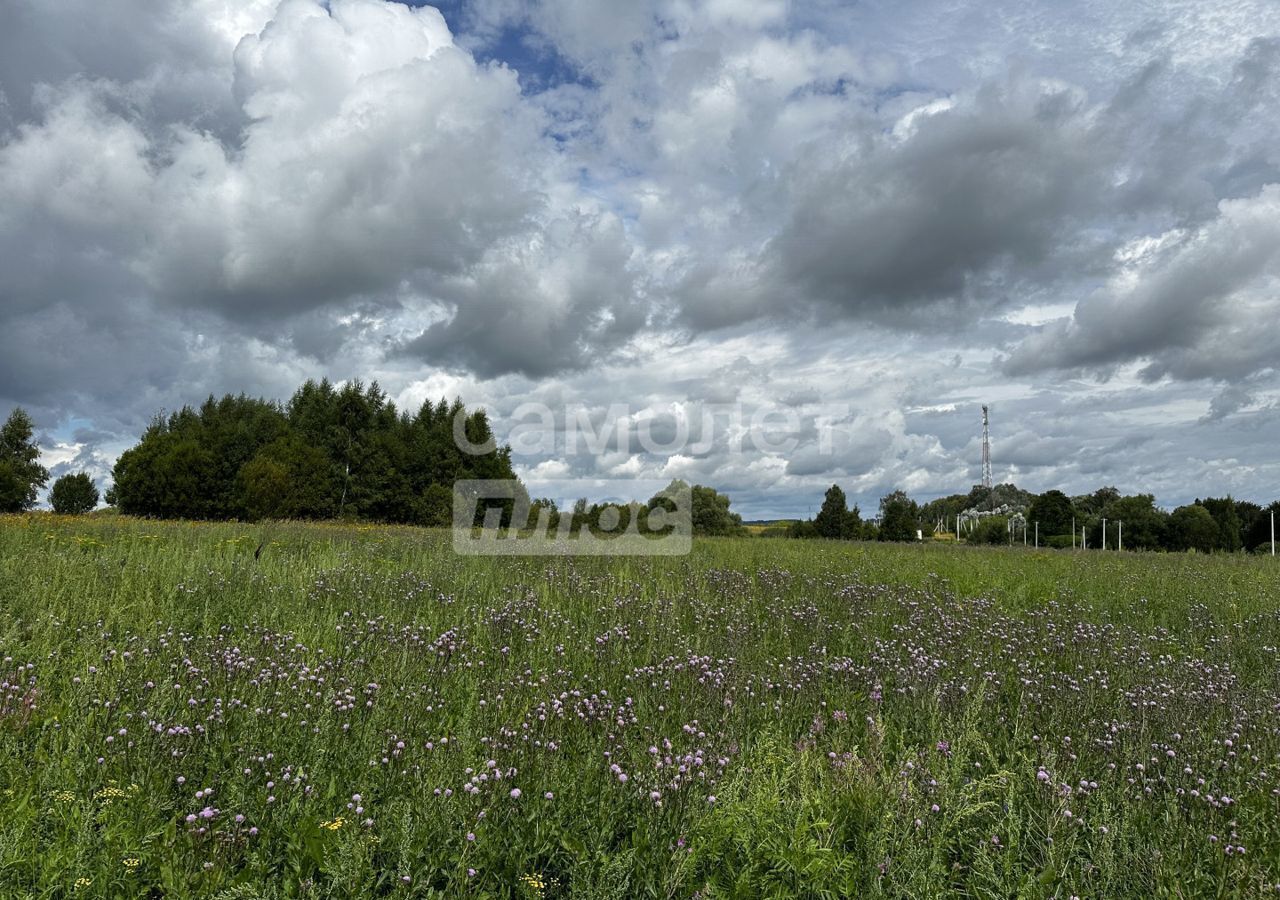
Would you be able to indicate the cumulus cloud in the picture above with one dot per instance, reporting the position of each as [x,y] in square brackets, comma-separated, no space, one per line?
[1199,304]
[878,217]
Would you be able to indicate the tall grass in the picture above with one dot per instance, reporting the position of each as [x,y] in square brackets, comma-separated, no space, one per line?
[358,712]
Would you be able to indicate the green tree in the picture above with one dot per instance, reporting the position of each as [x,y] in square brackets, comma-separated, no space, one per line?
[545,506]
[1223,510]
[708,508]
[73,495]
[1258,534]
[21,475]
[835,519]
[264,485]
[435,507]
[899,517]
[1192,528]
[1136,520]
[287,479]
[711,515]
[1093,504]
[1054,512]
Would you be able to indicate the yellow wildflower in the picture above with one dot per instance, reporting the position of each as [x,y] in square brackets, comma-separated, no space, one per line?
[109,793]
[334,825]
[537,884]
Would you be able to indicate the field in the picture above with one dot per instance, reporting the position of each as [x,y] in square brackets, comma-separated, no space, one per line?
[358,712]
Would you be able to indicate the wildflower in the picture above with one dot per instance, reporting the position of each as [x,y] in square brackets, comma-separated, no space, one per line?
[333,825]
[131,864]
[82,883]
[515,793]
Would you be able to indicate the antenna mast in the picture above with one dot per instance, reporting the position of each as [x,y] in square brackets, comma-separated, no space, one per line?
[986,449]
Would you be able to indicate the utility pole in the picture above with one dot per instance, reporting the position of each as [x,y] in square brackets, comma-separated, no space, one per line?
[1073,532]
[1121,537]
[1084,538]
[1273,533]
[1104,533]
[1037,535]
[986,450]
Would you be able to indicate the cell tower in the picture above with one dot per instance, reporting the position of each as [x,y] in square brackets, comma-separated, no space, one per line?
[986,449]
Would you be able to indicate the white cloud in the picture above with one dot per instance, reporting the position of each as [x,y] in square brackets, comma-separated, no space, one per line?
[881,217]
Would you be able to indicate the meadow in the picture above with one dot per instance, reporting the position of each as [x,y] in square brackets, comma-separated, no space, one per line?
[288,710]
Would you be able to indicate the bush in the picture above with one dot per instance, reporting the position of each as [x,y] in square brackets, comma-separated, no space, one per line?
[991,530]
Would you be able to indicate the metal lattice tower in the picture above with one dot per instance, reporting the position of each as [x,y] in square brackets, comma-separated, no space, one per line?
[986,449]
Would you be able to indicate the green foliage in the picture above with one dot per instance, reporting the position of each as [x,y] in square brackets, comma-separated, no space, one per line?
[992,530]
[1006,494]
[344,452]
[1257,535]
[711,515]
[709,509]
[1225,516]
[1135,520]
[73,495]
[1054,512]
[1192,528]
[835,519]
[287,479]
[21,475]
[899,518]
[1093,504]
[806,530]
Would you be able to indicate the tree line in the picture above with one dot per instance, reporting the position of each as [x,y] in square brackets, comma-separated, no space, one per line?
[1001,514]
[329,452]
[348,452]
[709,512]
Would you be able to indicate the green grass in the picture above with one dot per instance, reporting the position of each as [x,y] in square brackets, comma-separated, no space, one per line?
[827,696]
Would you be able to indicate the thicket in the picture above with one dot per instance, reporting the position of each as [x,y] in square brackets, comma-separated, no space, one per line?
[330,452]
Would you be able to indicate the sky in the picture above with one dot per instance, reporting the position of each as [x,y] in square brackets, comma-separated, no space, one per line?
[864,219]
